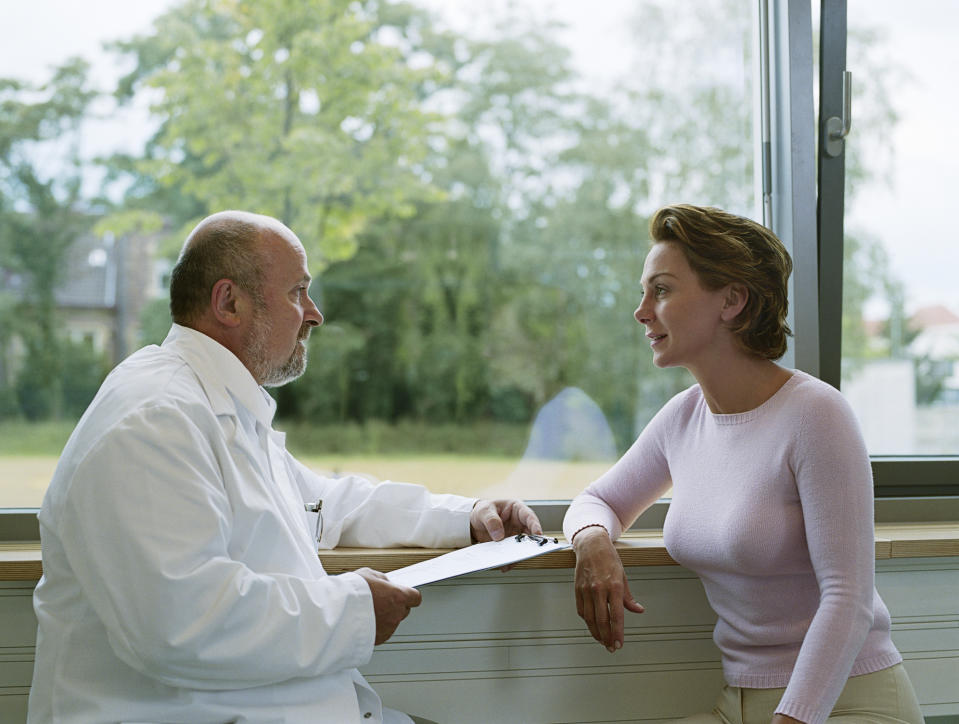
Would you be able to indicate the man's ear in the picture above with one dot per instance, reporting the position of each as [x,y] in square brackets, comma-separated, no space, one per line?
[734,301]
[227,303]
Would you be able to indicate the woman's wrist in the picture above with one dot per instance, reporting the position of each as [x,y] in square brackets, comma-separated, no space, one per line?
[584,534]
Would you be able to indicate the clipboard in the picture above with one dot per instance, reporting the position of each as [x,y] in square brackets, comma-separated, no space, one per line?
[477,557]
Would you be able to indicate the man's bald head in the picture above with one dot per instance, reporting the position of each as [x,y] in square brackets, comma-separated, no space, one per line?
[224,245]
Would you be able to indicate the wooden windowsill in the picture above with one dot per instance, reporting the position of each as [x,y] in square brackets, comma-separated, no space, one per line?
[20,561]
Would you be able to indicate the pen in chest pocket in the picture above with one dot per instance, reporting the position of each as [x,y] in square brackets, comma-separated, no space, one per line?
[317,508]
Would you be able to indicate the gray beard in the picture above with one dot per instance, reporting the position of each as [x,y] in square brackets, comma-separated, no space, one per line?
[275,376]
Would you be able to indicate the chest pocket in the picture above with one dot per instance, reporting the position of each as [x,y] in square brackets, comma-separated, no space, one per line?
[270,531]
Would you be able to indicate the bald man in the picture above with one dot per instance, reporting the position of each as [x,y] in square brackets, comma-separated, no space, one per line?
[181,579]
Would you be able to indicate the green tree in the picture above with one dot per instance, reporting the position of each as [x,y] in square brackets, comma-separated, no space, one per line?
[305,111]
[694,115]
[323,393]
[428,287]
[40,218]
[478,215]
[628,151]
[520,112]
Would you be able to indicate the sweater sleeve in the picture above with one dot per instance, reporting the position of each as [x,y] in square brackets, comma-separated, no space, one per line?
[636,481]
[834,483]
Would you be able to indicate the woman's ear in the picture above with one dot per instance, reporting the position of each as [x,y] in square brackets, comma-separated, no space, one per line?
[734,301]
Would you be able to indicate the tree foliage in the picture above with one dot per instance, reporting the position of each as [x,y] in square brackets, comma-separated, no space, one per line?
[39,220]
[305,111]
[474,210]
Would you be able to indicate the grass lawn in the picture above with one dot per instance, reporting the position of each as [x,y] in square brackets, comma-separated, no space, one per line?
[476,476]
[29,452]
[24,478]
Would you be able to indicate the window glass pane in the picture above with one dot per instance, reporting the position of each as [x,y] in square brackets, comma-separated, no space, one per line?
[472,182]
[900,297]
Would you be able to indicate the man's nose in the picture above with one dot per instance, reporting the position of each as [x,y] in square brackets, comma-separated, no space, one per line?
[313,316]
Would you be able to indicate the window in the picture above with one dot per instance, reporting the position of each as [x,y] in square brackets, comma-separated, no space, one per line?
[899,324]
[472,188]
[901,360]
[473,191]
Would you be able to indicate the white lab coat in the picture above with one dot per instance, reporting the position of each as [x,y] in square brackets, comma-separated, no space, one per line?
[181,581]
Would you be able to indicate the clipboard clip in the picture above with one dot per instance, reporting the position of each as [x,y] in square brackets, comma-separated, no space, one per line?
[540,539]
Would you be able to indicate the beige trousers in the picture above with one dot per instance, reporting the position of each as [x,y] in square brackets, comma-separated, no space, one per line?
[883,697]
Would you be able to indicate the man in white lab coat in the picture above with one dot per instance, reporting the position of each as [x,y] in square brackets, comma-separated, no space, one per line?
[181,578]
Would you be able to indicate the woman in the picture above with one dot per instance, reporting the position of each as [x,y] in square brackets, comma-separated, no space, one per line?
[772,490]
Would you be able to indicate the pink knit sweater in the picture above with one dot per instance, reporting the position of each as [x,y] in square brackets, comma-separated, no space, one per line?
[773,509]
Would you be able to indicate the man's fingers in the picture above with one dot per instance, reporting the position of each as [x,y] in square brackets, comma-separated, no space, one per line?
[521,518]
[408,597]
[370,573]
[494,526]
[485,522]
[391,602]
[496,519]
[414,597]
[529,521]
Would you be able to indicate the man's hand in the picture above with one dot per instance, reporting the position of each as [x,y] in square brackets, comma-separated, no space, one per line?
[391,602]
[602,592]
[496,519]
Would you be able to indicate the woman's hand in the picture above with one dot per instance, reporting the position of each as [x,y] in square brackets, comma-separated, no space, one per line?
[602,592]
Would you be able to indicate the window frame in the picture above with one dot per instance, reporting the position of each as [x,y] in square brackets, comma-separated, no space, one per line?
[893,476]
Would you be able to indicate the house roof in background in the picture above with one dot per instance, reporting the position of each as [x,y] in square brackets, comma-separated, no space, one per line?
[933,316]
[91,275]
[89,281]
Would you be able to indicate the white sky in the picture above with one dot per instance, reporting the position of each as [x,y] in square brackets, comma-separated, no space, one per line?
[40,33]
[913,217]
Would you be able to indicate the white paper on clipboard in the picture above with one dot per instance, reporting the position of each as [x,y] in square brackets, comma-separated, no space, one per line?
[477,557]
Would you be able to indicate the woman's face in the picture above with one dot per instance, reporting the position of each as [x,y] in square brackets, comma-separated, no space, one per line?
[683,319]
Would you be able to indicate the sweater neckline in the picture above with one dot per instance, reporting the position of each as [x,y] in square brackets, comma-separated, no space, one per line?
[738,418]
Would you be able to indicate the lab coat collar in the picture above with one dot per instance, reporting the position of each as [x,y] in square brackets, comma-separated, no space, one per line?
[225,379]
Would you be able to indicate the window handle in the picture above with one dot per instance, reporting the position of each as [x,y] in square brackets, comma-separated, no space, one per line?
[838,128]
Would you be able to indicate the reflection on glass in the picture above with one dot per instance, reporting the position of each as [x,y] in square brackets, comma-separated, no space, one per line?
[901,300]
[472,185]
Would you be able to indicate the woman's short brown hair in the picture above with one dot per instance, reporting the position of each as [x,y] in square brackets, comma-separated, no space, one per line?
[722,249]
